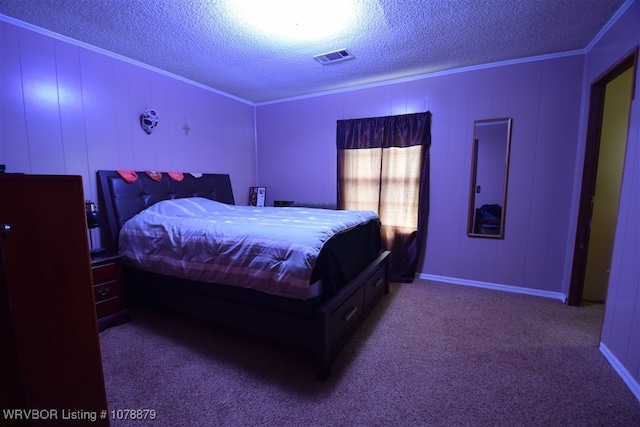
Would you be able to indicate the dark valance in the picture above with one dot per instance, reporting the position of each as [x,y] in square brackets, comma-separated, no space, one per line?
[384,132]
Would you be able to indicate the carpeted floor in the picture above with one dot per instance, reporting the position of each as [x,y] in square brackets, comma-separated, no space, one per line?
[431,354]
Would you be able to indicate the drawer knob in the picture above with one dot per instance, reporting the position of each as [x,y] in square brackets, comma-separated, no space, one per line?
[104,291]
[378,282]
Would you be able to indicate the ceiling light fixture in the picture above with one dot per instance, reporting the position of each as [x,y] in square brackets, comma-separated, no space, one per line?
[295,19]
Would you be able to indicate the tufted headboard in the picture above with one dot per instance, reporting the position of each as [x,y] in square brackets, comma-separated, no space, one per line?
[118,201]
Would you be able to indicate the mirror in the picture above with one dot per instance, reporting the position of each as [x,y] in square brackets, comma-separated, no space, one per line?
[489,176]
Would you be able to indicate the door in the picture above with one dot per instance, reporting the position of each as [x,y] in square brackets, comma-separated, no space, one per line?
[607,135]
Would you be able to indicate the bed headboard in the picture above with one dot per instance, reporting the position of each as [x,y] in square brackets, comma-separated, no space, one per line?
[118,201]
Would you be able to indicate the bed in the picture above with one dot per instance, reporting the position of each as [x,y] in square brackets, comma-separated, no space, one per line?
[347,279]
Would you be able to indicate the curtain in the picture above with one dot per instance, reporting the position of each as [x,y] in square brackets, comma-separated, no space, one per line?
[383,165]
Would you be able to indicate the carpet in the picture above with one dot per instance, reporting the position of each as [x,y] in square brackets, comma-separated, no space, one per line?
[430,354]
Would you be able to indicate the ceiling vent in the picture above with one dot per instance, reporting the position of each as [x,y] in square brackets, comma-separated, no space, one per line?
[335,56]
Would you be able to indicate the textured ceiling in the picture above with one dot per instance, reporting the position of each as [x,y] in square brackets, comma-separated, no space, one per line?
[203,41]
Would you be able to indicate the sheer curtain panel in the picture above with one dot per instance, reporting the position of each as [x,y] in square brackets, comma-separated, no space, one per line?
[383,166]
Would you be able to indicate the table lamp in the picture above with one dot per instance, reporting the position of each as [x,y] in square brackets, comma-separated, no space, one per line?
[93,221]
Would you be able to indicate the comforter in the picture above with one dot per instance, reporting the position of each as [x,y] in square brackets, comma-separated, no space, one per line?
[270,249]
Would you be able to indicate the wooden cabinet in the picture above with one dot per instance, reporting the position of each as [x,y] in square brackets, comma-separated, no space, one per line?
[108,291]
[50,358]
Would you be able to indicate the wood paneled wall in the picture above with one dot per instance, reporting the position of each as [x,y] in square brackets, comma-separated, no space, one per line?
[67,109]
[296,161]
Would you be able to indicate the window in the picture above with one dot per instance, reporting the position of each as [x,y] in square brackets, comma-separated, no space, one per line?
[383,166]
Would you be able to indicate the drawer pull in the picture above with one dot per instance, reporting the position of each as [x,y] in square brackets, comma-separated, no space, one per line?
[378,282]
[352,311]
[104,291]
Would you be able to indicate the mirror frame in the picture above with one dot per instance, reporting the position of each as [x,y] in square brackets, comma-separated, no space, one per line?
[474,170]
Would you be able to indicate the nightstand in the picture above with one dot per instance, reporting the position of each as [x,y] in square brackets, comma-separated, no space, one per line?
[108,289]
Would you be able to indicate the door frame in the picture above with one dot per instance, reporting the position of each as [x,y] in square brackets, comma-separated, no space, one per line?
[590,167]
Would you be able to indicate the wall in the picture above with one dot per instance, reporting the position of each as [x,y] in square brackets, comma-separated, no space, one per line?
[297,161]
[66,109]
[621,330]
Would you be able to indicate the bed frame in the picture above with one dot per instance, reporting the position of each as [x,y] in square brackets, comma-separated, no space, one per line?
[323,333]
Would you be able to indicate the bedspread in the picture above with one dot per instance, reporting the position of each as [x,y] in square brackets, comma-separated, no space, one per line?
[271,249]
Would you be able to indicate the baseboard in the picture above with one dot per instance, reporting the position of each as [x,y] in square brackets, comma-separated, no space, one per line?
[495,286]
[622,371]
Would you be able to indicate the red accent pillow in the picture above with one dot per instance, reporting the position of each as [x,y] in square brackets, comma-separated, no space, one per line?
[156,176]
[176,176]
[129,176]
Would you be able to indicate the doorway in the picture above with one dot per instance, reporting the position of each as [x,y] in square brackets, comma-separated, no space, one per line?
[607,134]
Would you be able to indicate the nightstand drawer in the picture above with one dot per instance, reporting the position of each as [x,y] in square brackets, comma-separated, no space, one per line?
[105,273]
[109,307]
[107,290]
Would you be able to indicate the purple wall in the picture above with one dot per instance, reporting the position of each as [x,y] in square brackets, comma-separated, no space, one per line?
[66,109]
[297,161]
